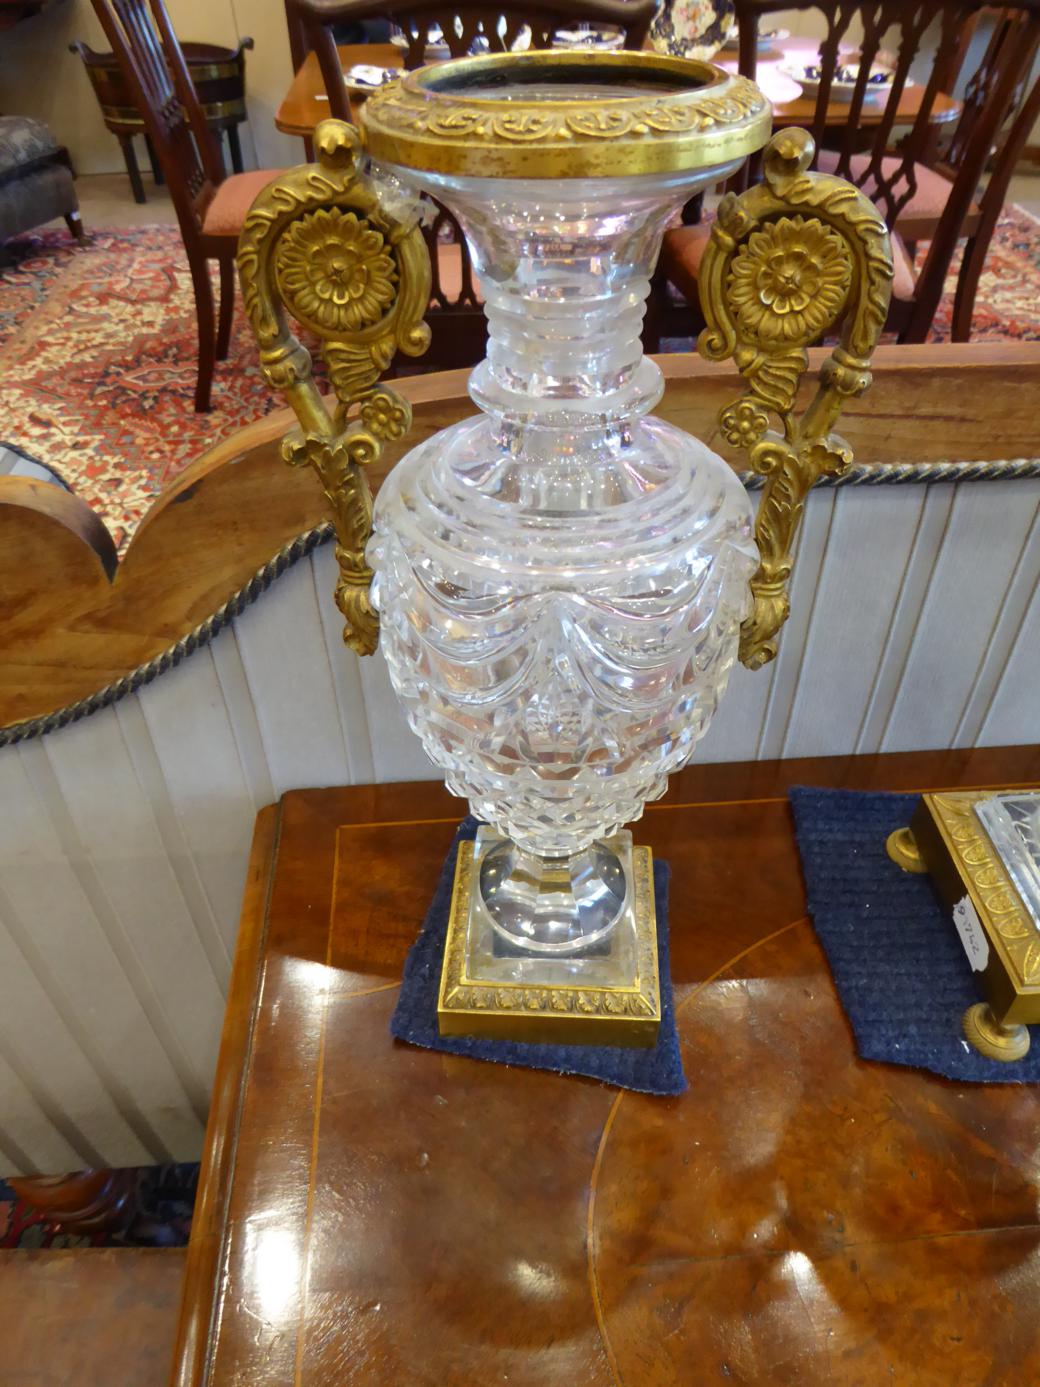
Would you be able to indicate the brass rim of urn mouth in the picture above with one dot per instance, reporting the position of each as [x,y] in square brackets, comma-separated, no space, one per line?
[451,118]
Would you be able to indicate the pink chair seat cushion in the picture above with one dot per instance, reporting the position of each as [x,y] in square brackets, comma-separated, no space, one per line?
[683,250]
[232,200]
[930,195]
[449,267]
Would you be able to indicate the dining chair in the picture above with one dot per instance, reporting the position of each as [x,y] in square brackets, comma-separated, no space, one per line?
[456,317]
[924,181]
[211,206]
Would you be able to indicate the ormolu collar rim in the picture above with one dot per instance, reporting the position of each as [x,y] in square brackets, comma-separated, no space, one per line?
[445,118]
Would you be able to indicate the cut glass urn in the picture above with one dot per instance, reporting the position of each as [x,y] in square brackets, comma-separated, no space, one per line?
[563,581]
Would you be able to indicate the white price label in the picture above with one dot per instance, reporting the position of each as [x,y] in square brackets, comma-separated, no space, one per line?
[973,936]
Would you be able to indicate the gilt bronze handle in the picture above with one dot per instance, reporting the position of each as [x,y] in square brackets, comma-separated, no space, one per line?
[786,261]
[346,258]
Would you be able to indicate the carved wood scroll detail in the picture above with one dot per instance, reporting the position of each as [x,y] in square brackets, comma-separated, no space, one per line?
[788,260]
[347,260]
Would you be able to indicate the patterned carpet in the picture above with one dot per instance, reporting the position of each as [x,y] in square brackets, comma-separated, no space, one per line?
[98,355]
[1008,301]
[98,351]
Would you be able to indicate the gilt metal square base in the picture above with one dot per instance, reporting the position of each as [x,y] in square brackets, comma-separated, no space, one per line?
[611,995]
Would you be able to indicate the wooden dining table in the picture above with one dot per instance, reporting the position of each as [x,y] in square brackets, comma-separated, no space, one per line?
[306,103]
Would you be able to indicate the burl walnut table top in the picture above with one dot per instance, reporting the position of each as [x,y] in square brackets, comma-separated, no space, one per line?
[375,1214]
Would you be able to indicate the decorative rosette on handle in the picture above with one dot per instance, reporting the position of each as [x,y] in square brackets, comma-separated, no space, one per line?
[787,261]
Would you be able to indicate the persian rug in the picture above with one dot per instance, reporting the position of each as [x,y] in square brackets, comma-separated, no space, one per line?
[161,1218]
[1007,306]
[98,356]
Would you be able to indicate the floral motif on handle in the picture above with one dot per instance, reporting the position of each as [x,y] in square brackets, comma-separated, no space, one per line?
[788,261]
[336,270]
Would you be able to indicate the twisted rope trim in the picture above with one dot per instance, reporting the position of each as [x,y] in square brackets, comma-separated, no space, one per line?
[860,474]
[202,635]
[896,473]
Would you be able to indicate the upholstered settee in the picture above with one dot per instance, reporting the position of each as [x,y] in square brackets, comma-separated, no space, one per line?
[150,707]
[36,183]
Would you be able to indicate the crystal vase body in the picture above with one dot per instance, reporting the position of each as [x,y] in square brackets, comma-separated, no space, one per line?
[561,579]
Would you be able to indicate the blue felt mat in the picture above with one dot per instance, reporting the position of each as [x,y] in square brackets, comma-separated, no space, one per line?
[901,973]
[657,1070]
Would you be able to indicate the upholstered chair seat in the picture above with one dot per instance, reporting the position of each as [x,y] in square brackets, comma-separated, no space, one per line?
[232,200]
[36,183]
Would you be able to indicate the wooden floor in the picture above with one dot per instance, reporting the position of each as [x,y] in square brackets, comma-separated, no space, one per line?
[101,1317]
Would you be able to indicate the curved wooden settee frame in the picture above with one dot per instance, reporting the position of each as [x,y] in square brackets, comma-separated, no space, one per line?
[75,620]
[124,837]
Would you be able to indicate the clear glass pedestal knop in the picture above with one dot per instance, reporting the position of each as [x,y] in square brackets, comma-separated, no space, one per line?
[603,990]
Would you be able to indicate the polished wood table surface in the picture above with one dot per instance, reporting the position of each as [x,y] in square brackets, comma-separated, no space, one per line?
[374,1215]
[306,103]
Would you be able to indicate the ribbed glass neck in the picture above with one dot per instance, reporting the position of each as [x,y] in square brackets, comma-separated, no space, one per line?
[564,321]
[564,267]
